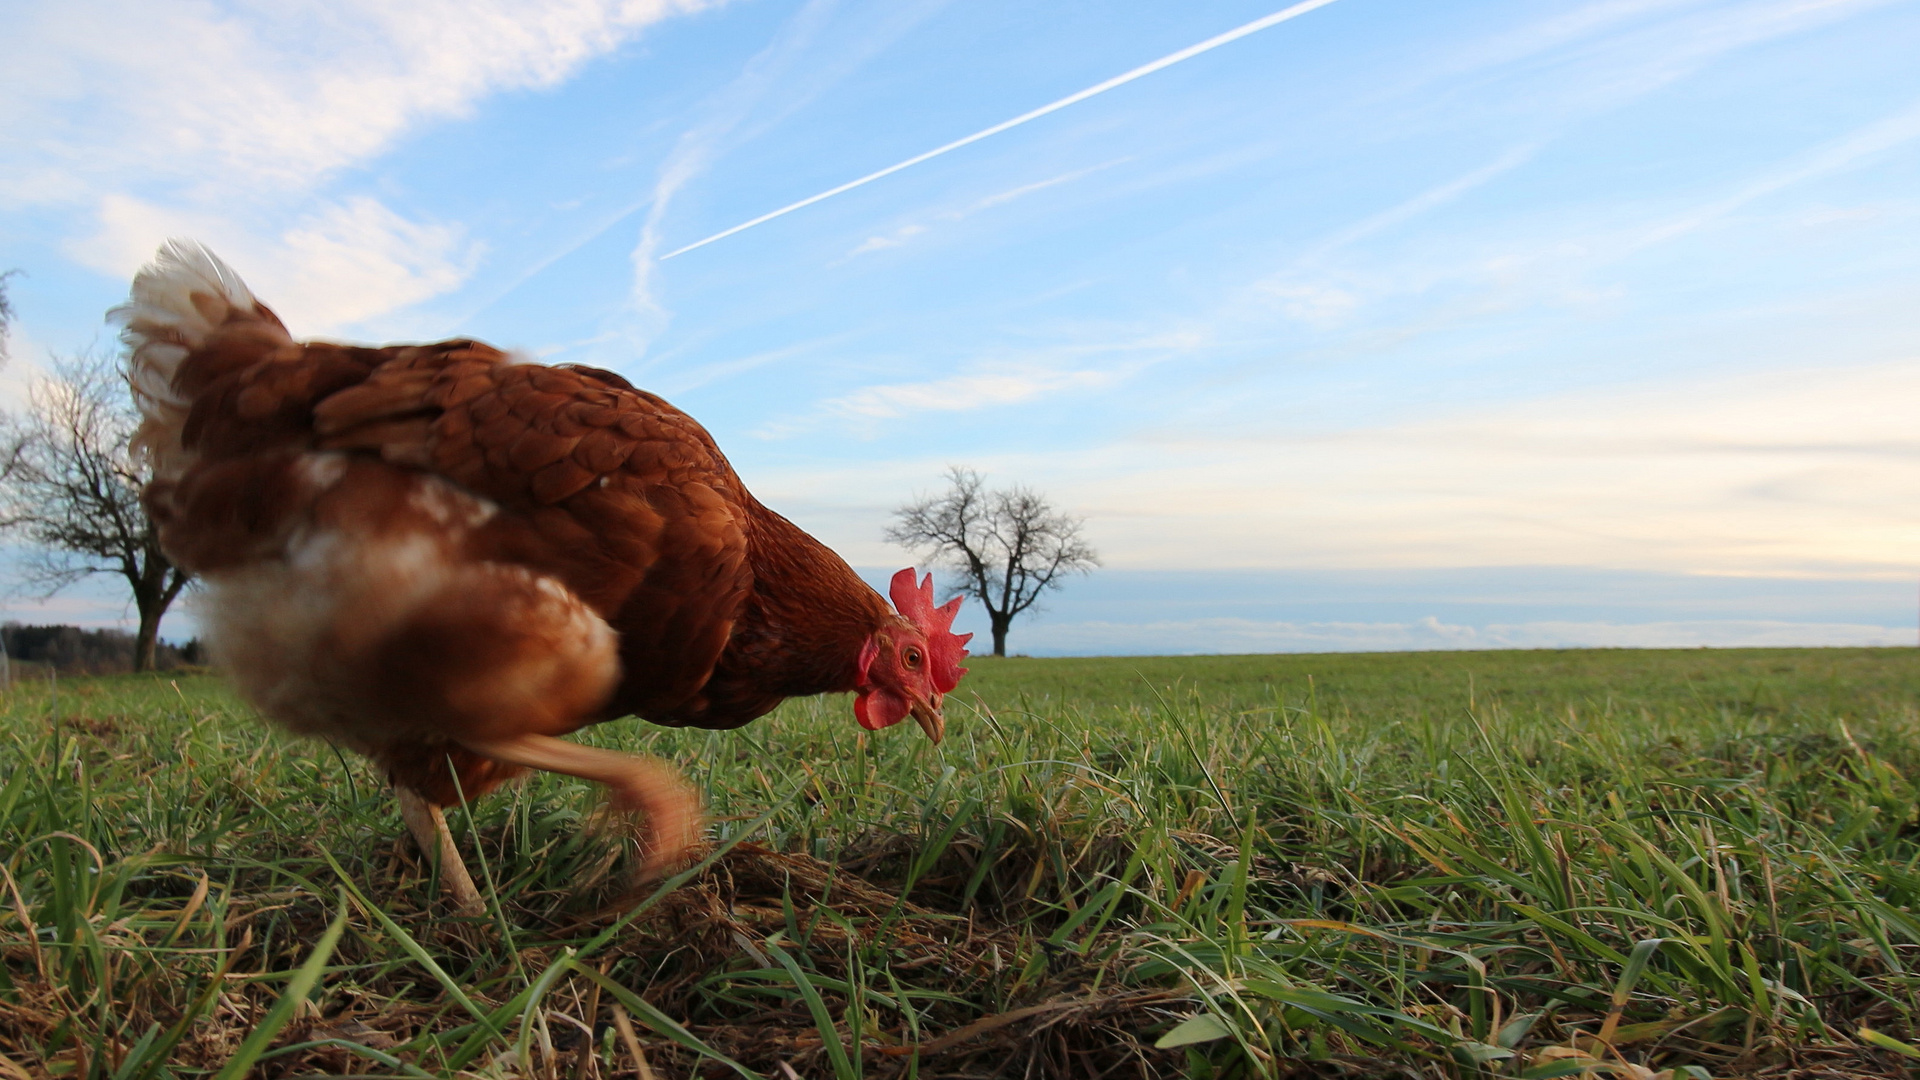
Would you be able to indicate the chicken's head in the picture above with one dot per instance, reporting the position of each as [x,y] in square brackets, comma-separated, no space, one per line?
[910,665]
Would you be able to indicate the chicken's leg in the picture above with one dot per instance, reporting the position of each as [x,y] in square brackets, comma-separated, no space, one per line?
[429,828]
[637,782]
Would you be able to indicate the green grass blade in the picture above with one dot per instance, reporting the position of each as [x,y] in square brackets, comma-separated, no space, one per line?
[298,988]
[822,1019]
[410,946]
[661,1023]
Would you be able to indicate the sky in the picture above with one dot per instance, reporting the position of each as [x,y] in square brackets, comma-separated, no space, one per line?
[1390,325]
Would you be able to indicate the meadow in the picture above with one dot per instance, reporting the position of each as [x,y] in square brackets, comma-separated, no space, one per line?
[1670,864]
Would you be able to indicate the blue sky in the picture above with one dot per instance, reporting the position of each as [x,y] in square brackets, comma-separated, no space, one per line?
[1394,325]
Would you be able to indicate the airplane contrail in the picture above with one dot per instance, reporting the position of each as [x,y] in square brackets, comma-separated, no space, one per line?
[1166,61]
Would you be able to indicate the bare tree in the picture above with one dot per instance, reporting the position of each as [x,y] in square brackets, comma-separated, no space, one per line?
[70,484]
[6,314]
[1008,546]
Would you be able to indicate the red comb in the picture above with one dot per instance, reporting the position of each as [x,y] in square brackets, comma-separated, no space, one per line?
[913,599]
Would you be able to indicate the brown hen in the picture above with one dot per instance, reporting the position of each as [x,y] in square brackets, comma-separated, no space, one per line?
[445,558]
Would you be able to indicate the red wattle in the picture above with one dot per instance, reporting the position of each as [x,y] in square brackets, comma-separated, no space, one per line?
[878,709]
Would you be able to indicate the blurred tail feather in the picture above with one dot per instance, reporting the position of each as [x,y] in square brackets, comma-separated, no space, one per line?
[183,301]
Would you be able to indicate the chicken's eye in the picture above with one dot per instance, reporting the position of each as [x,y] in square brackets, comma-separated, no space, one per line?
[911,656]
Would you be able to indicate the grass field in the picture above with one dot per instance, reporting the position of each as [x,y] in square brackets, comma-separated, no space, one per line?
[1526,864]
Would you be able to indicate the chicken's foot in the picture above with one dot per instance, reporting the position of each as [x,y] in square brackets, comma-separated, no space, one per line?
[636,782]
[429,828]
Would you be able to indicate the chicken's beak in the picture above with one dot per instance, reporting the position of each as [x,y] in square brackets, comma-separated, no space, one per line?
[932,720]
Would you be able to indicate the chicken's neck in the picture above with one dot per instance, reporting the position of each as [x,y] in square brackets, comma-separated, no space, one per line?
[801,631]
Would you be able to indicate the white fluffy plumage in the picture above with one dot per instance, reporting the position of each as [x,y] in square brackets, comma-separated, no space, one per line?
[177,301]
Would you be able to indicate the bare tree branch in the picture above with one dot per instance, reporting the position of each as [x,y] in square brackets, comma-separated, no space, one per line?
[70,484]
[1007,546]
[6,314]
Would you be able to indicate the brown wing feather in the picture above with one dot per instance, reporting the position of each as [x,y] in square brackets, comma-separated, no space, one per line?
[239,410]
[613,491]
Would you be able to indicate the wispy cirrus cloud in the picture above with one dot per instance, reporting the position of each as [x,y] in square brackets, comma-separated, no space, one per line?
[684,379]
[1176,57]
[1014,378]
[905,233]
[1430,199]
[739,112]
[1500,262]
[1621,50]
[1009,385]
[1614,51]
[1852,150]
[1315,303]
[892,239]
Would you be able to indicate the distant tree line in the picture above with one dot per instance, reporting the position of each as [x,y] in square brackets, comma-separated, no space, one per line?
[70,649]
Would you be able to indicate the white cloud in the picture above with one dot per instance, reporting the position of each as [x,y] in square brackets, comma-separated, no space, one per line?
[1562,27]
[1430,199]
[97,601]
[962,393]
[337,265]
[676,380]
[1803,472]
[1314,304]
[1800,471]
[727,122]
[1853,149]
[222,97]
[89,612]
[904,233]
[229,121]
[360,258]
[1463,272]
[1013,378]
[891,240]
[1849,215]
[1617,50]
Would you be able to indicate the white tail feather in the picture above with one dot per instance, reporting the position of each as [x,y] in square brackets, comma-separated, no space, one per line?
[179,300]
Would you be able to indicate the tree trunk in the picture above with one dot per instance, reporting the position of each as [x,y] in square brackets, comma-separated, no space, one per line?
[149,637]
[154,589]
[1000,623]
